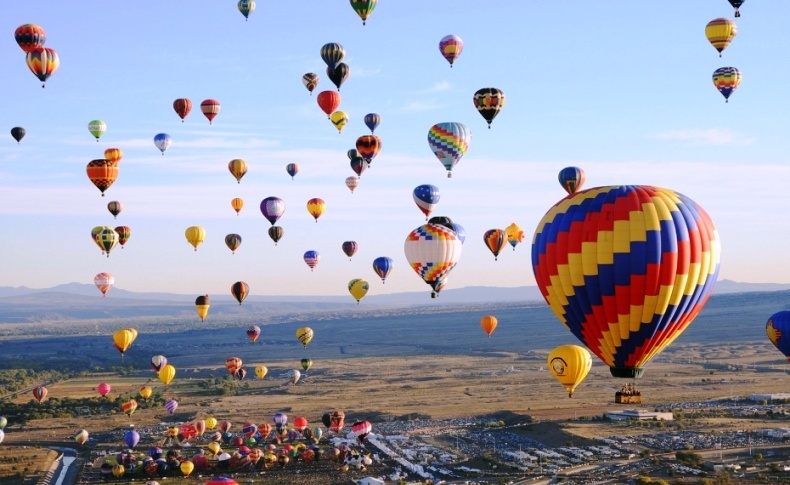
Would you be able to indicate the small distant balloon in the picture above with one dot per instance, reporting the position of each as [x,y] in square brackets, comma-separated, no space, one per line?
[372,121]
[246,7]
[18,133]
[210,109]
[572,179]
[451,47]
[727,80]
[97,128]
[182,107]
[352,183]
[162,142]
[292,169]
[310,81]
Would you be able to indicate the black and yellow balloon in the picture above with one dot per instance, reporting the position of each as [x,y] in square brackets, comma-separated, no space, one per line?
[202,304]
[304,335]
[569,364]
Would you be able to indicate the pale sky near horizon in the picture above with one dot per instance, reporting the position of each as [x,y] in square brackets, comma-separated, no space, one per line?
[620,88]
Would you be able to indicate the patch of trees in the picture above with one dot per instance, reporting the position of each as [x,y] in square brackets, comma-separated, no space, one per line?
[689,458]
[67,407]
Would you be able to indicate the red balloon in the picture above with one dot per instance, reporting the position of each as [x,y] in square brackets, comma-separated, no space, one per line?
[182,106]
[328,101]
[210,109]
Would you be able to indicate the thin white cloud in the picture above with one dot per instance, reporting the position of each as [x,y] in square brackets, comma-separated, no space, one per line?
[439,87]
[711,136]
[420,106]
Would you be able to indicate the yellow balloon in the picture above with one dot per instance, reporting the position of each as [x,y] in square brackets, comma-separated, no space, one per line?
[122,339]
[569,364]
[339,119]
[261,371]
[118,471]
[173,431]
[167,373]
[720,33]
[195,235]
[211,423]
[514,234]
[187,467]
[145,392]
[237,204]
[214,447]
[305,335]
[358,289]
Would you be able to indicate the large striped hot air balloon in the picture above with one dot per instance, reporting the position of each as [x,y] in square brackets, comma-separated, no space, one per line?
[332,54]
[42,62]
[363,8]
[102,173]
[433,250]
[626,269]
[727,80]
[368,146]
[720,33]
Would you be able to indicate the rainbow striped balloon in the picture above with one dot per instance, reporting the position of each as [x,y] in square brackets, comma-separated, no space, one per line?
[626,269]
[727,80]
[449,142]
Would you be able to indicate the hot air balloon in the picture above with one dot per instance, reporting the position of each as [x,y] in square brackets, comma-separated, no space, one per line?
[310,81]
[123,339]
[233,364]
[339,119]
[337,421]
[572,179]
[372,121]
[294,375]
[240,374]
[103,389]
[489,323]
[210,109]
[42,62]
[81,437]
[569,364]
[3,422]
[246,7]
[315,207]
[239,290]
[332,54]
[382,266]
[40,393]
[358,165]
[167,374]
[426,197]
[778,330]
[311,258]
[361,429]
[306,364]
[202,304]
[449,142]
[171,405]
[328,101]
[158,362]
[95,236]
[182,107]
[102,173]
[651,258]
[720,33]
[350,247]
[494,240]
[107,239]
[432,250]
[18,133]
[514,234]
[124,233]
[238,168]
[211,423]
[272,209]
[276,233]
[352,183]
[352,153]
[115,208]
[131,438]
[363,8]
[292,169]
[187,467]
[736,4]
[451,47]
[113,154]
[195,235]
[304,335]
[237,203]
[368,146]
[29,36]
[339,74]
[260,372]
[489,101]
[253,332]
[358,288]
[726,80]
[97,128]
[104,281]
[118,471]
[145,392]
[233,241]
[162,142]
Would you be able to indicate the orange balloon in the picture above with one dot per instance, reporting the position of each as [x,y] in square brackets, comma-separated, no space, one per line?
[489,323]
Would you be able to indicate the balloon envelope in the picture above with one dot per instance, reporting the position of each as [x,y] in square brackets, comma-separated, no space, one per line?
[626,269]
[778,330]
[449,142]
[569,364]
[451,47]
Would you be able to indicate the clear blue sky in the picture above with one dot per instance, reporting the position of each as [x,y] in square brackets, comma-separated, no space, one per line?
[620,88]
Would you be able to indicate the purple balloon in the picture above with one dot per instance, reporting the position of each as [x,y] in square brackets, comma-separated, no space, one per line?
[272,208]
[131,438]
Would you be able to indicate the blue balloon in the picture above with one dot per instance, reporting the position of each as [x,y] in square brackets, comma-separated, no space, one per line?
[162,141]
[382,266]
[459,231]
[426,197]
[372,121]
[131,438]
[778,330]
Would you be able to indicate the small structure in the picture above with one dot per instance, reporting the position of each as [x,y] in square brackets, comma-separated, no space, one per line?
[369,481]
[639,415]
